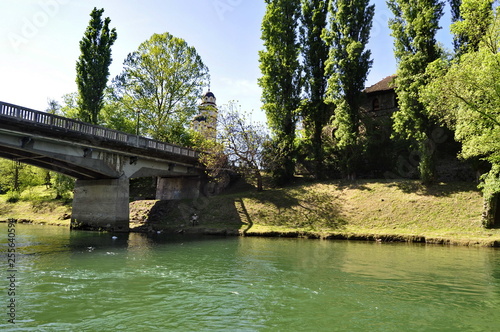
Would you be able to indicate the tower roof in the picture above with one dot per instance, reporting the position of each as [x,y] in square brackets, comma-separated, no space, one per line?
[208,98]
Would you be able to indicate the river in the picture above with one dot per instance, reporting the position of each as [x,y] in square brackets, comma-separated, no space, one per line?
[84,281]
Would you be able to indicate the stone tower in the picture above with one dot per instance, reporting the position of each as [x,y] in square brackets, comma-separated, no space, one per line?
[206,120]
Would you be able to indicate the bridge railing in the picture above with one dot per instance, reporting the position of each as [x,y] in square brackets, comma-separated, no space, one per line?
[56,121]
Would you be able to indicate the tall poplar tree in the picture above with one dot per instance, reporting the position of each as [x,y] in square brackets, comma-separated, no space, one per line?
[347,67]
[92,67]
[314,111]
[473,23]
[456,17]
[414,28]
[280,81]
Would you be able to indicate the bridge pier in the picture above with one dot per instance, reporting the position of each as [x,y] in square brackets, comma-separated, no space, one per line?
[174,188]
[101,204]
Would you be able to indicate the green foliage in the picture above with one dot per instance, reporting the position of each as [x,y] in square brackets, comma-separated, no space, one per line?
[455,17]
[53,106]
[211,156]
[15,176]
[93,65]
[347,67]
[115,116]
[238,146]
[280,81]
[464,94]
[414,28]
[476,17]
[13,197]
[161,82]
[63,186]
[314,110]
[70,108]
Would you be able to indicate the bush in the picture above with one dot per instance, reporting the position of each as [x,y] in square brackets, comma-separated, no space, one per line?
[13,197]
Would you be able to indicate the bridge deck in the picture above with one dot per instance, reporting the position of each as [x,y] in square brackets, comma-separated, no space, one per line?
[13,117]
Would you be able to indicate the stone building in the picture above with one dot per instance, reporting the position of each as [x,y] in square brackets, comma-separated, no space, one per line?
[379,103]
[206,120]
[380,98]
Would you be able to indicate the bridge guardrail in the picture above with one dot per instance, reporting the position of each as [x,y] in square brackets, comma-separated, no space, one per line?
[56,121]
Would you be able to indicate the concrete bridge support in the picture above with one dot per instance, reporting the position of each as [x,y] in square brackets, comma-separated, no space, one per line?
[101,204]
[173,188]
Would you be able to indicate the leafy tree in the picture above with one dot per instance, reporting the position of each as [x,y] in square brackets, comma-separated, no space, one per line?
[238,145]
[455,17]
[414,28]
[347,67]
[162,82]
[314,110]
[212,156]
[69,107]
[475,19]
[63,185]
[464,95]
[243,142]
[15,176]
[92,67]
[53,106]
[113,114]
[280,81]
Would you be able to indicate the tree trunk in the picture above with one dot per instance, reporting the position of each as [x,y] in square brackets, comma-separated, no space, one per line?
[16,176]
[491,218]
[259,180]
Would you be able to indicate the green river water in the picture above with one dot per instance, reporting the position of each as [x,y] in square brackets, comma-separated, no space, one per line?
[84,281]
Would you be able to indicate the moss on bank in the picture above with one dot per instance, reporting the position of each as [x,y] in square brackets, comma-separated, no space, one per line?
[446,213]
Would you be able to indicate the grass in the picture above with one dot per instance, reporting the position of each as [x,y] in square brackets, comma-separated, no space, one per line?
[368,209]
[35,205]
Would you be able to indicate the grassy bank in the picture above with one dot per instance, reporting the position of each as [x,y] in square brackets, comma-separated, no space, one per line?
[403,210]
[374,210]
[36,205]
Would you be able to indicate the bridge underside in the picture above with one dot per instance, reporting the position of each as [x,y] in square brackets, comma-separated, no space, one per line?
[49,163]
[101,195]
[62,157]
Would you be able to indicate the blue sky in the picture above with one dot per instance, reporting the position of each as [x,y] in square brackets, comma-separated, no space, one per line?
[39,43]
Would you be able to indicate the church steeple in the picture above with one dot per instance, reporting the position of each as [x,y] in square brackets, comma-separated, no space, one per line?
[209,99]
[206,120]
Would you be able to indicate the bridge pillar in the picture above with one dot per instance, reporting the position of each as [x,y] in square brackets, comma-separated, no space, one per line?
[101,204]
[178,188]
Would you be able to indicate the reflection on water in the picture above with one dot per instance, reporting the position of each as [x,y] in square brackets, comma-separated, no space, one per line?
[90,281]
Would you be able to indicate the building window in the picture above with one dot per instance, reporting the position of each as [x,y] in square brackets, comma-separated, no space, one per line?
[375,105]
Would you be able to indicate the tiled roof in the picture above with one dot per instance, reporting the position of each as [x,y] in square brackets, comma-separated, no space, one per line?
[383,85]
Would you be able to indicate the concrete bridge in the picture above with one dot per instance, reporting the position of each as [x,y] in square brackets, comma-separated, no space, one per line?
[102,161]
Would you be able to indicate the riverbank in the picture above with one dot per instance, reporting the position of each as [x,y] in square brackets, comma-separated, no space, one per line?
[383,211]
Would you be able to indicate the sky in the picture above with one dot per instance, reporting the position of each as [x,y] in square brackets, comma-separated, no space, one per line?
[39,44]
